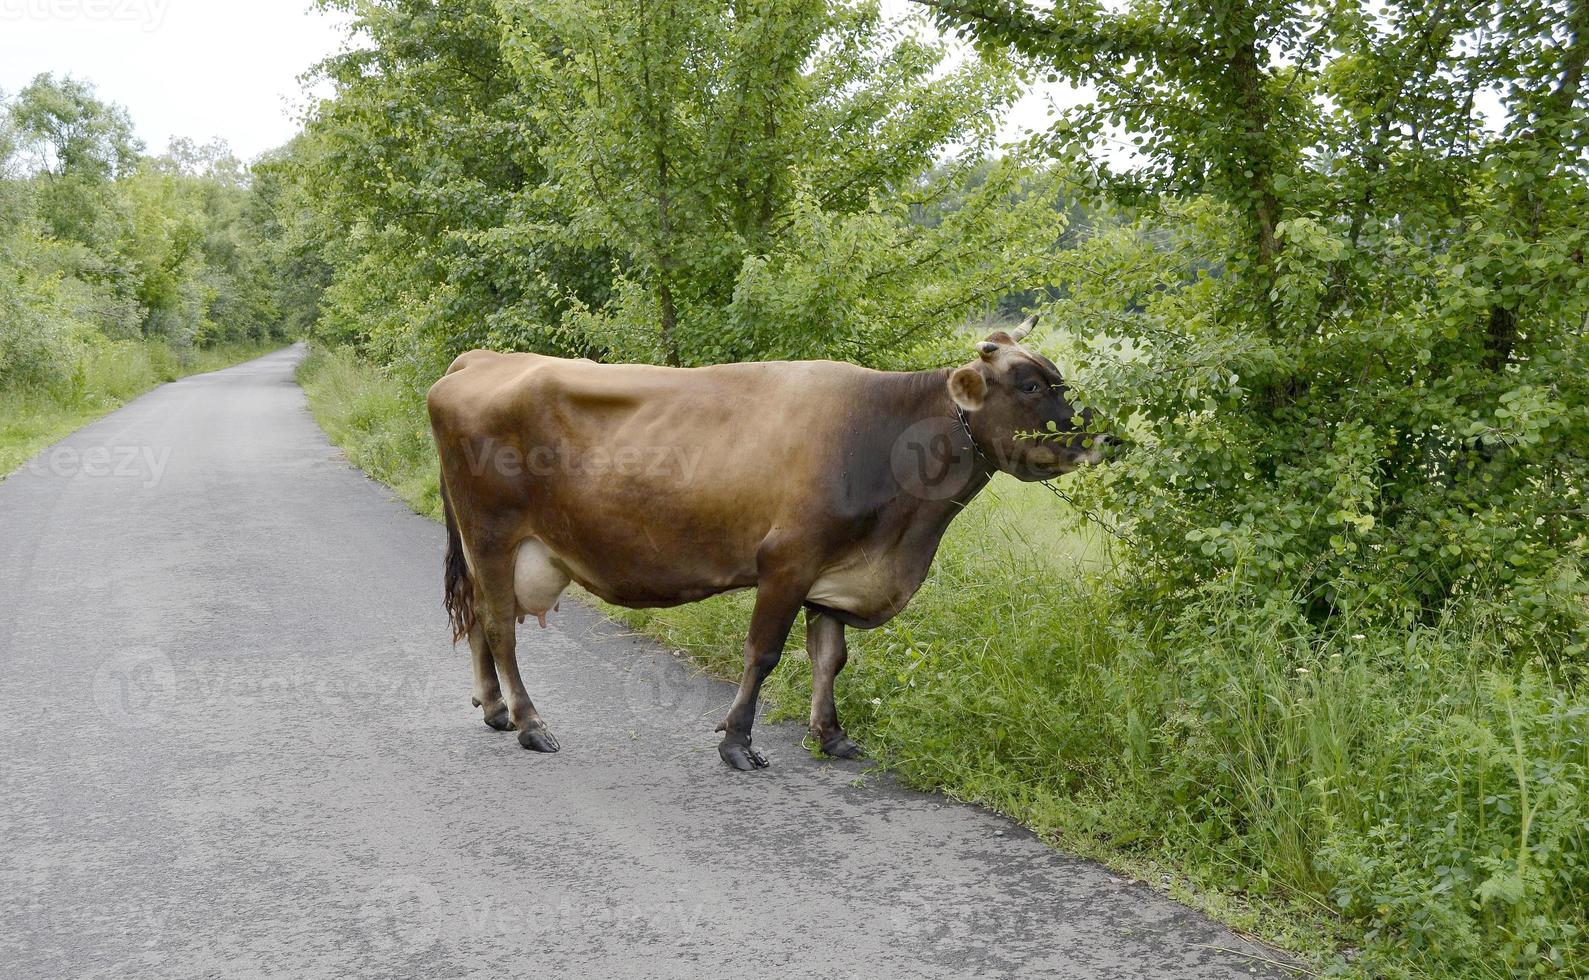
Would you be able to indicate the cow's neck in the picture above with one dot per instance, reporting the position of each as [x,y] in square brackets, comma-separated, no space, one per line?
[929,398]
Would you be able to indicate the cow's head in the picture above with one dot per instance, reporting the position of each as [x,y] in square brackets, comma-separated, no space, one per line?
[1016,405]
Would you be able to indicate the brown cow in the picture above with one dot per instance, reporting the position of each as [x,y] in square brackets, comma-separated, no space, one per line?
[820,484]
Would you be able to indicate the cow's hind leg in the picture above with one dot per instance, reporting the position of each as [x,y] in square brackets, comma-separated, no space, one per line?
[829,652]
[497,608]
[487,691]
[776,607]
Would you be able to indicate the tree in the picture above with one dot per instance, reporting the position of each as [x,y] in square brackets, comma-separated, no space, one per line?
[198,256]
[290,237]
[79,144]
[1355,306]
[71,132]
[101,246]
[668,182]
[422,181]
[719,146]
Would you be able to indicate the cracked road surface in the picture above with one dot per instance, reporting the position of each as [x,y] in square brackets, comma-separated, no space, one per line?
[237,742]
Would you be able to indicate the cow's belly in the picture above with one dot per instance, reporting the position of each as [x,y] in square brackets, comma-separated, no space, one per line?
[637,577]
[872,591]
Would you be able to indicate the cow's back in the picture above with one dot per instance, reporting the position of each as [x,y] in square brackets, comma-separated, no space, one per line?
[646,481]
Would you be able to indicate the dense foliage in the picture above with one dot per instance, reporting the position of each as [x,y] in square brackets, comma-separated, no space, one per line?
[1356,300]
[671,182]
[101,244]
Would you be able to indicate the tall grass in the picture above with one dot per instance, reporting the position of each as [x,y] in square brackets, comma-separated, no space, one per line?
[377,421]
[1389,804]
[102,376]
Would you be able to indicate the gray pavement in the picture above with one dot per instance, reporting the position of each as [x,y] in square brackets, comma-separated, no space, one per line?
[235,741]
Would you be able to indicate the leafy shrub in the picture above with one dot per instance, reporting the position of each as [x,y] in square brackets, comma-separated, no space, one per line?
[34,352]
[1385,475]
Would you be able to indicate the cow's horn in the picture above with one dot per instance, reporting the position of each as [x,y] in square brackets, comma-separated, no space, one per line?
[1020,333]
[987,348]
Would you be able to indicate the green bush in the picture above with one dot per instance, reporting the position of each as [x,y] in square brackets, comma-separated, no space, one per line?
[1347,324]
[1387,476]
[32,352]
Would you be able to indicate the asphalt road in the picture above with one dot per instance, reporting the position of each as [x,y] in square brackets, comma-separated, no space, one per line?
[235,741]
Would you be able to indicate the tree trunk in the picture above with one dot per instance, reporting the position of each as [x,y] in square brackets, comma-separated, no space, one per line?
[670,316]
[1263,206]
[670,319]
[660,135]
[1500,337]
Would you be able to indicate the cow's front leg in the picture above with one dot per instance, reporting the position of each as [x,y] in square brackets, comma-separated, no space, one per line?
[829,652]
[777,603]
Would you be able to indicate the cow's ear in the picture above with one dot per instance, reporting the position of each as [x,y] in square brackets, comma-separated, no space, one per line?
[968,388]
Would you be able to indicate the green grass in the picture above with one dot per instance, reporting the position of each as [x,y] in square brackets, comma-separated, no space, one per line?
[1384,804]
[107,376]
[380,424]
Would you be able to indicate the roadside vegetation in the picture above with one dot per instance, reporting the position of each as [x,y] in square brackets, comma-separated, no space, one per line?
[119,270]
[1314,648]
[379,423]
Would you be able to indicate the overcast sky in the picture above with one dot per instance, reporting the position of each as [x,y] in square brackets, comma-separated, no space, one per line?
[195,68]
[212,68]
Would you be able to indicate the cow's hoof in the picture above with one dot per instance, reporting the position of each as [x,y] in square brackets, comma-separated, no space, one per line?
[538,740]
[741,756]
[499,718]
[841,747]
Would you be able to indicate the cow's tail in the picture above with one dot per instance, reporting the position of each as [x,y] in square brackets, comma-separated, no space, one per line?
[458,584]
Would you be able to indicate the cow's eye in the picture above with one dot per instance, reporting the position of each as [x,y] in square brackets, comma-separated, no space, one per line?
[1031,387]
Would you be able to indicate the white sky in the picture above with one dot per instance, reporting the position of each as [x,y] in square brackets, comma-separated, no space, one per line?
[194,68]
[220,68]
